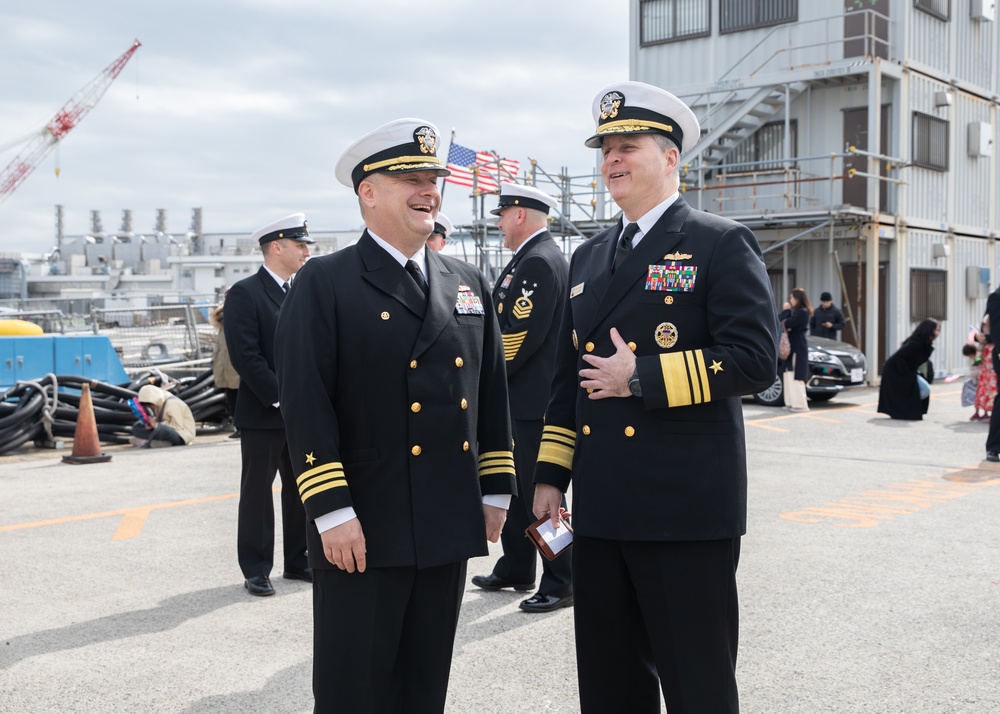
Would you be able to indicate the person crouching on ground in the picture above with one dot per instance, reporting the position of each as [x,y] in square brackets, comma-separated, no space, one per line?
[172,421]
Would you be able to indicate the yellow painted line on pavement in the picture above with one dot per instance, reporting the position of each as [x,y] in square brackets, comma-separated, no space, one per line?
[871,507]
[133,519]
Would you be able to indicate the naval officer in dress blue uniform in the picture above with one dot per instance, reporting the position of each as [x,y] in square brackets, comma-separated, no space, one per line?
[252,307]
[529,294]
[391,373]
[669,322]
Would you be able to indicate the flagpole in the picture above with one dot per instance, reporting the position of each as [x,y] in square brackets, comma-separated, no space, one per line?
[444,182]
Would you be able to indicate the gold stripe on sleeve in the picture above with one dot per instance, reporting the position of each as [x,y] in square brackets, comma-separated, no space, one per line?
[557,447]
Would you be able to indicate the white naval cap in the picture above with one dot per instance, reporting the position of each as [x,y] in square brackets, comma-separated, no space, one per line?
[513,194]
[293,227]
[639,108]
[401,146]
[442,225]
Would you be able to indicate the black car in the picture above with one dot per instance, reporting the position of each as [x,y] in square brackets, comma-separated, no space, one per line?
[833,367]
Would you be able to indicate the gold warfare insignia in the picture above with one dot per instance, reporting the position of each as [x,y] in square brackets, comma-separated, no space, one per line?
[427,139]
[610,104]
[576,343]
[463,287]
[522,306]
[678,256]
[665,335]
[310,458]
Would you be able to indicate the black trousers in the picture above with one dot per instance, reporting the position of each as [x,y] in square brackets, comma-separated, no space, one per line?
[656,615]
[993,438]
[383,639]
[265,452]
[518,562]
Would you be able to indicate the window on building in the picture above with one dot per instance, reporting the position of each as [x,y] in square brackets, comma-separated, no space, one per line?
[928,294]
[669,20]
[930,142]
[739,15]
[938,8]
[762,151]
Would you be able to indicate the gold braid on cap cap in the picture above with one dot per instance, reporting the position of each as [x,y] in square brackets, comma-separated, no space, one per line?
[420,161]
[626,125]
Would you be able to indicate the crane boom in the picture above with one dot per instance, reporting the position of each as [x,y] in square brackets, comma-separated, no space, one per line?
[14,174]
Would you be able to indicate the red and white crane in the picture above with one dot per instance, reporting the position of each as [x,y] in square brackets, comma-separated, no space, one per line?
[39,146]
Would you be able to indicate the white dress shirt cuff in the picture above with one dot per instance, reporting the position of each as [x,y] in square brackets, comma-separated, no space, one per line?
[334,519]
[500,500]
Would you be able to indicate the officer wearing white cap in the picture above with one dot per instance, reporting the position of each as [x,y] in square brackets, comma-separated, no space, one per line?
[530,295]
[669,322]
[392,382]
[252,307]
[439,236]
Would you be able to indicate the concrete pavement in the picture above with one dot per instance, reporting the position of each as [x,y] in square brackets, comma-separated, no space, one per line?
[869,582]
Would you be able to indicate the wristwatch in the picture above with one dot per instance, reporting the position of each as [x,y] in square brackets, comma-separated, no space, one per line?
[633,384]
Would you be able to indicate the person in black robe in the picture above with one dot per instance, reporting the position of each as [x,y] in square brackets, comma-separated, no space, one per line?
[899,394]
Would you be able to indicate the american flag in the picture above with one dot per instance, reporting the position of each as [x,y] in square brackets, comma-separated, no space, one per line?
[463,162]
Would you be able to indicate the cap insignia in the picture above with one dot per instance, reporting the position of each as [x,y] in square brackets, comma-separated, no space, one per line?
[610,104]
[427,139]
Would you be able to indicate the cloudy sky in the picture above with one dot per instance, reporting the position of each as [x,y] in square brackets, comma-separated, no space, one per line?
[242,107]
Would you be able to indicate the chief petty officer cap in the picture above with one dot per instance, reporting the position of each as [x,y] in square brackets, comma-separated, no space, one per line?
[513,194]
[293,227]
[442,225]
[638,108]
[401,146]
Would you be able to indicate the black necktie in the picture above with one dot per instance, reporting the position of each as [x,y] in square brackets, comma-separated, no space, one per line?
[284,286]
[418,276]
[624,245]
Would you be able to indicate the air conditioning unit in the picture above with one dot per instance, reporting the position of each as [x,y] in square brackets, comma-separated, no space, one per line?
[983,10]
[980,139]
[940,250]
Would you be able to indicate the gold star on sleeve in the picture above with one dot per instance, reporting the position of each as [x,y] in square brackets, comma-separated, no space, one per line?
[310,458]
[716,366]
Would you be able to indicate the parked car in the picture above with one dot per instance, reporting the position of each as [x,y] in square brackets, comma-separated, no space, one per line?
[833,367]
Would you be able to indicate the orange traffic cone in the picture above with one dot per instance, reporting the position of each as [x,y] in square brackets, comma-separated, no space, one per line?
[86,444]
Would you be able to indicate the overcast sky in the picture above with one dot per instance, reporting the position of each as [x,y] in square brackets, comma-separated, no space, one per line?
[242,107]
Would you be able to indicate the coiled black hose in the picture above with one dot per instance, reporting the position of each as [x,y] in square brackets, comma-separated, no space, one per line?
[49,407]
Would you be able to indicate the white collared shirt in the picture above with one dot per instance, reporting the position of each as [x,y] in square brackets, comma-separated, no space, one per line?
[649,219]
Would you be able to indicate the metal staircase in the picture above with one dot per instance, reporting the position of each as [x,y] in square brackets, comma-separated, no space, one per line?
[742,121]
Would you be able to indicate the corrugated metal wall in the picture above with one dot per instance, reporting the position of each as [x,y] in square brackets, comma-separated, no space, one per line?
[970,174]
[929,38]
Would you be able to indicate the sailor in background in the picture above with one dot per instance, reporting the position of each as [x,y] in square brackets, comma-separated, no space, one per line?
[392,382]
[669,322]
[439,236]
[252,307]
[530,295]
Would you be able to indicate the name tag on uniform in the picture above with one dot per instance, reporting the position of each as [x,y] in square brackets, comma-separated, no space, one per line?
[671,278]
[576,290]
[468,303]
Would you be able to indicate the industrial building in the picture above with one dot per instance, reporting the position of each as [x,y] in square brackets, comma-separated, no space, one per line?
[894,209]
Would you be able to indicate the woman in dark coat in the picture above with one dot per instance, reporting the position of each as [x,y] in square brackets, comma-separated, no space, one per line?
[899,394]
[795,316]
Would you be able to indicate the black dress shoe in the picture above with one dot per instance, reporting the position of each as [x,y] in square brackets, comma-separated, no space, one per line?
[306,575]
[540,602]
[494,582]
[992,456]
[259,585]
